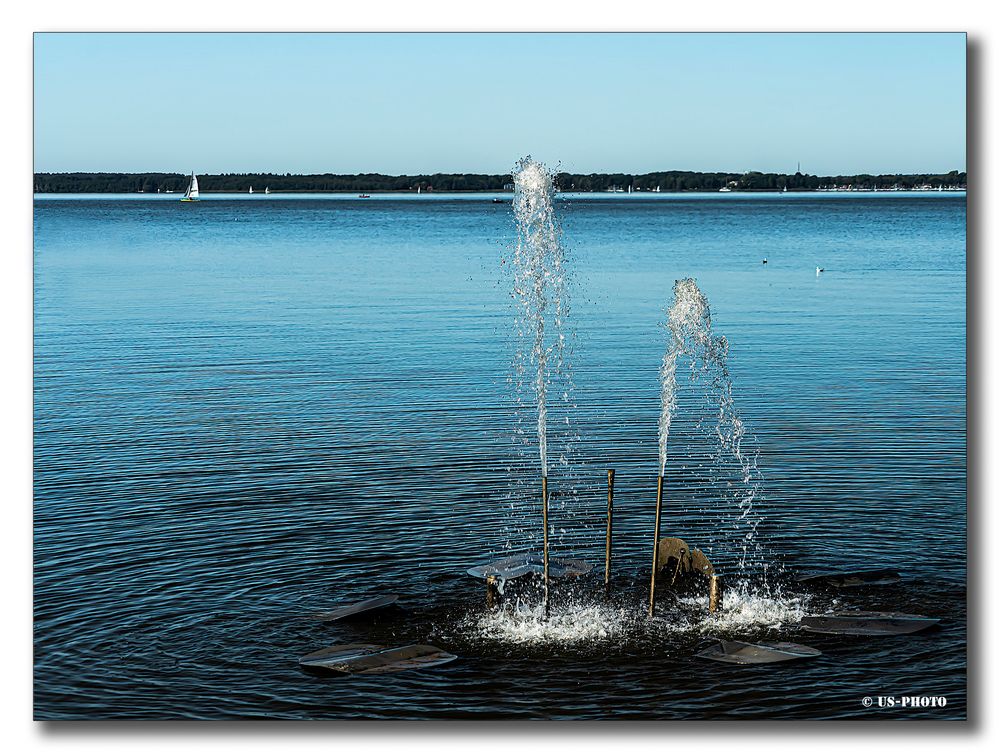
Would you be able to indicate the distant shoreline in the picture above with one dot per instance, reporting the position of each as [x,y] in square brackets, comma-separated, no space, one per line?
[658,182]
[507,198]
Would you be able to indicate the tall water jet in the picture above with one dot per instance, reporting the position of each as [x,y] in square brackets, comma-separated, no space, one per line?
[540,295]
[689,323]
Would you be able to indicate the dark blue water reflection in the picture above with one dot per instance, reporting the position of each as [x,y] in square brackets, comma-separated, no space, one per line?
[250,410]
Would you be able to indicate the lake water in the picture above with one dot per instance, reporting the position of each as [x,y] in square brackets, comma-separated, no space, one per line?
[251,409]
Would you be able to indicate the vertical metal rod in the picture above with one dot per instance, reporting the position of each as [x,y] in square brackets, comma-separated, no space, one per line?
[656,542]
[545,540]
[492,592]
[607,536]
[714,593]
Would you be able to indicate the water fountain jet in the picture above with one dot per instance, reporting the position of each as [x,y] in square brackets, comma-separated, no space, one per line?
[538,275]
[689,322]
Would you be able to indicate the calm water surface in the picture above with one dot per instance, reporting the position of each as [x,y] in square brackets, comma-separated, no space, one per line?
[250,410]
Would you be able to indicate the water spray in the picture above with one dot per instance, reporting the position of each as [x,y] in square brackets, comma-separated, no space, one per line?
[545,542]
[690,326]
[538,276]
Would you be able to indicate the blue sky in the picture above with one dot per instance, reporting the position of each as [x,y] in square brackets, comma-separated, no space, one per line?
[414,103]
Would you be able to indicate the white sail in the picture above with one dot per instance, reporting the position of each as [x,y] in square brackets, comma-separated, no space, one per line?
[267,189]
[251,189]
[192,189]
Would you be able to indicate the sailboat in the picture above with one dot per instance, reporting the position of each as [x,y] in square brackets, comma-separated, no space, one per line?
[267,189]
[251,189]
[191,194]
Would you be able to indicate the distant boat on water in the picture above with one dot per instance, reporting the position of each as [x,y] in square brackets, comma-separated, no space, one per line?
[251,189]
[191,194]
[267,190]
[725,189]
[364,195]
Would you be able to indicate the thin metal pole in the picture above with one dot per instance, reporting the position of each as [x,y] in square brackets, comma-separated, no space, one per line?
[656,541]
[545,540]
[492,592]
[607,537]
[714,593]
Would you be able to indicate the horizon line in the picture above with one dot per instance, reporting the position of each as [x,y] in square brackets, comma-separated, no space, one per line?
[470,172]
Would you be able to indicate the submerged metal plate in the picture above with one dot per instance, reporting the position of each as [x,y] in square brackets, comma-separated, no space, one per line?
[350,610]
[369,659]
[527,564]
[853,578]
[867,623]
[767,652]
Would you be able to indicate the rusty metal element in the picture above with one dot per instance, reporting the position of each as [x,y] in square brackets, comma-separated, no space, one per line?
[492,592]
[714,594]
[656,545]
[607,535]
[683,564]
[673,550]
[545,542]
[681,560]
[700,563]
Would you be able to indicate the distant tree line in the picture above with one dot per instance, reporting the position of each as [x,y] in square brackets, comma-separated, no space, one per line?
[673,180]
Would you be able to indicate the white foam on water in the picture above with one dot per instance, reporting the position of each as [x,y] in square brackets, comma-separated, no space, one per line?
[744,611]
[526,624]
